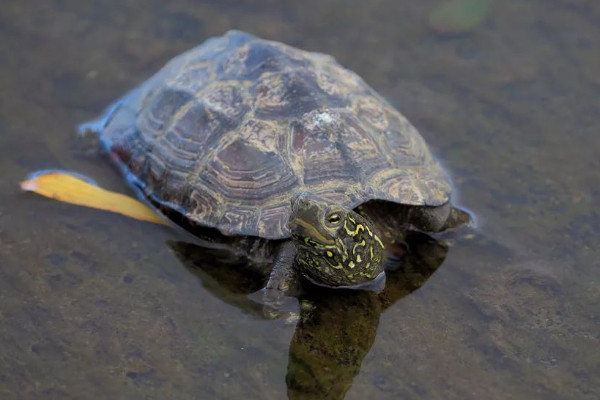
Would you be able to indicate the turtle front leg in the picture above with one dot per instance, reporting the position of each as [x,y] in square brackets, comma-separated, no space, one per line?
[283,274]
[283,280]
[439,219]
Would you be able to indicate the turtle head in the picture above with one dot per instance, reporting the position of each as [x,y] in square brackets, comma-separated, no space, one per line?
[336,247]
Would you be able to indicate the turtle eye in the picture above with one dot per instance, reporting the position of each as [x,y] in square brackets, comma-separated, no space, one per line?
[334,218]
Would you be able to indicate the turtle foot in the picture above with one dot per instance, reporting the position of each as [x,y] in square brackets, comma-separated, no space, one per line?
[275,304]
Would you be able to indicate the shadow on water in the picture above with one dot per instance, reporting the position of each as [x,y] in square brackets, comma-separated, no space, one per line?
[335,328]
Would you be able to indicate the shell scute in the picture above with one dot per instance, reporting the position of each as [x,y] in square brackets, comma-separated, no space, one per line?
[245,218]
[251,60]
[243,173]
[291,93]
[193,78]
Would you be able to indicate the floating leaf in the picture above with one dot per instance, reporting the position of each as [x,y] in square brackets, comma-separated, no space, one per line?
[70,188]
[459,16]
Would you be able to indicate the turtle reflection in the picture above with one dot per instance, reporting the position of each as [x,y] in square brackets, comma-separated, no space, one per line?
[336,328]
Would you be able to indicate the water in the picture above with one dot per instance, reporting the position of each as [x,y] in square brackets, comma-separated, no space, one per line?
[94,305]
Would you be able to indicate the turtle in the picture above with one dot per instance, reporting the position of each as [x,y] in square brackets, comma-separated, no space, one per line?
[262,142]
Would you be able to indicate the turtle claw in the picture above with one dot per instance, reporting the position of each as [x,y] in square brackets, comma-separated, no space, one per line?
[87,140]
[275,304]
[90,128]
[88,133]
[96,126]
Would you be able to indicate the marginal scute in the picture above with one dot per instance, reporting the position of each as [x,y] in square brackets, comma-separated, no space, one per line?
[226,133]
[204,207]
[273,220]
[241,218]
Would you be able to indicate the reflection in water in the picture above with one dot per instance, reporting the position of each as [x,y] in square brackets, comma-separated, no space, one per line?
[226,274]
[336,328]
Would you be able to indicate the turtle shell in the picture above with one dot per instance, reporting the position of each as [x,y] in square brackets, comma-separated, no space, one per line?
[228,132]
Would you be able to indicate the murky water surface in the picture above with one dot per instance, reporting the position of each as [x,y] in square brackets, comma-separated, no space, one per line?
[94,305]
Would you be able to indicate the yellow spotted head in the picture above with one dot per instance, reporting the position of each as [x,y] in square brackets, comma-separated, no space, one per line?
[335,245]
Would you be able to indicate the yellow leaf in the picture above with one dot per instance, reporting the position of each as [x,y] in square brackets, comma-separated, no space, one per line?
[71,189]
